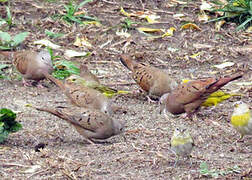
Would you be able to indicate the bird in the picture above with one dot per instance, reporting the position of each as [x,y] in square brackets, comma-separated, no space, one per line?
[241,119]
[181,143]
[90,123]
[188,97]
[31,64]
[152,80]
[216,97]
[83,96]
[87,79]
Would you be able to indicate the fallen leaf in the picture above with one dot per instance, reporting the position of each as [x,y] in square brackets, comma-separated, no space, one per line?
[32,169]
[224,65]
[123,33]
[194,56]
[71,53]
[143,29]
[203,17]
[169,32]
[191,26]
[205,6]
[218,25]
[82,42]
[47,43]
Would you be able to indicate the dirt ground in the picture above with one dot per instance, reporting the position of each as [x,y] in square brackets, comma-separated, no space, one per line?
[145,154]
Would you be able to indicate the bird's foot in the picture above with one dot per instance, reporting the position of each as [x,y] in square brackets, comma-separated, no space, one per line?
[150,100]
[26,83]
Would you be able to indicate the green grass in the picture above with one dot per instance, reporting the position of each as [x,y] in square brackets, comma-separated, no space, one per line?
[237,11]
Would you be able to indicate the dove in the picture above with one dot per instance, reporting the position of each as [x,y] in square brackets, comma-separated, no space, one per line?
[90,123]
[31,64]
[241,119]
[154,81]
[181,143]
[87,79]
[188,97]
[83,96]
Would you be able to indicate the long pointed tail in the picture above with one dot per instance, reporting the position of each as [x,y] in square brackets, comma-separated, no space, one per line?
[59,113]
[59,83]
[223,81]
[127,61]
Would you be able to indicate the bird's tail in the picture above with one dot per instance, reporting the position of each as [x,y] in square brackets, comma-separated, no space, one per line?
[127,61]
[59,83]
[59,113]
[223,81]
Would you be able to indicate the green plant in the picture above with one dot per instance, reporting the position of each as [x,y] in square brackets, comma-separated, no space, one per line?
[2,66]
[53,35]
[127,23]
[8,42]
[7,123]
[213,173]
[71,15]
[238,11]
[63,69]
[8,18]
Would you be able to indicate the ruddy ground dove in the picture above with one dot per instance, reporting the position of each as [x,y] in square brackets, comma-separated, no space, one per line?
[83,96]
[31,64]
[154,81]
[188,97]
[90,123]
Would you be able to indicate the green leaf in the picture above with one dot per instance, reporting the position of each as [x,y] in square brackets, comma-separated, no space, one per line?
[3,135]
[19,38]
[3,66]
[52,34]
[4,48]
[64,69]
[83,3]
[9,17]
[2,1]
[4,36]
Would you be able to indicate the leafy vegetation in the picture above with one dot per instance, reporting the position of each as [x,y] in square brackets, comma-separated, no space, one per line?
[72,14]
[7,123]
[238,11]
[213,173]
[8,18]
[64,68]
[7,42]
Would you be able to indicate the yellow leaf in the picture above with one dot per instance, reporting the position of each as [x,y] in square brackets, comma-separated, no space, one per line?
[143,29]
[169,32]
[191,26]
[203,17]
[82,42]
[79,13]
[152,18]
[96,23]
[124,12]
[194,56]
[218,25]
[249,30]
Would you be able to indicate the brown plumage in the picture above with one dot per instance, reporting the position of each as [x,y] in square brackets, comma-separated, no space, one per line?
[152,80]
[90,123]
[83,96]
[31,64]
[87,75]
[188,97]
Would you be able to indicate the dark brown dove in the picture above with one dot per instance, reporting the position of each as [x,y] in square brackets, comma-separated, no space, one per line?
[90,123]
[83,96]
[31,64]
[188,97]
[152,80]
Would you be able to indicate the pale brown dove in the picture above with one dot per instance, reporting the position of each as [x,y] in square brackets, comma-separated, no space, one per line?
[188,97]
[87,79]
[154,81]
[31,64]
[90,123]
[83,96]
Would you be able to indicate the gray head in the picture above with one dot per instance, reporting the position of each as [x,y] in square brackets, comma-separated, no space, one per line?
[45,57]
[118,127]
[107,108]
[162,102]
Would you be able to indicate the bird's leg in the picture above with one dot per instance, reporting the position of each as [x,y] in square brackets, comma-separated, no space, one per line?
[150,100]
[39,85]
[89,140]
[26,83]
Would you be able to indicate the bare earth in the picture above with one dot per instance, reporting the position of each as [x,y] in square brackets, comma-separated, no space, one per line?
[145,154]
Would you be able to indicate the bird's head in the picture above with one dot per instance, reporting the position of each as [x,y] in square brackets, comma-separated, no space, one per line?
[162,102]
